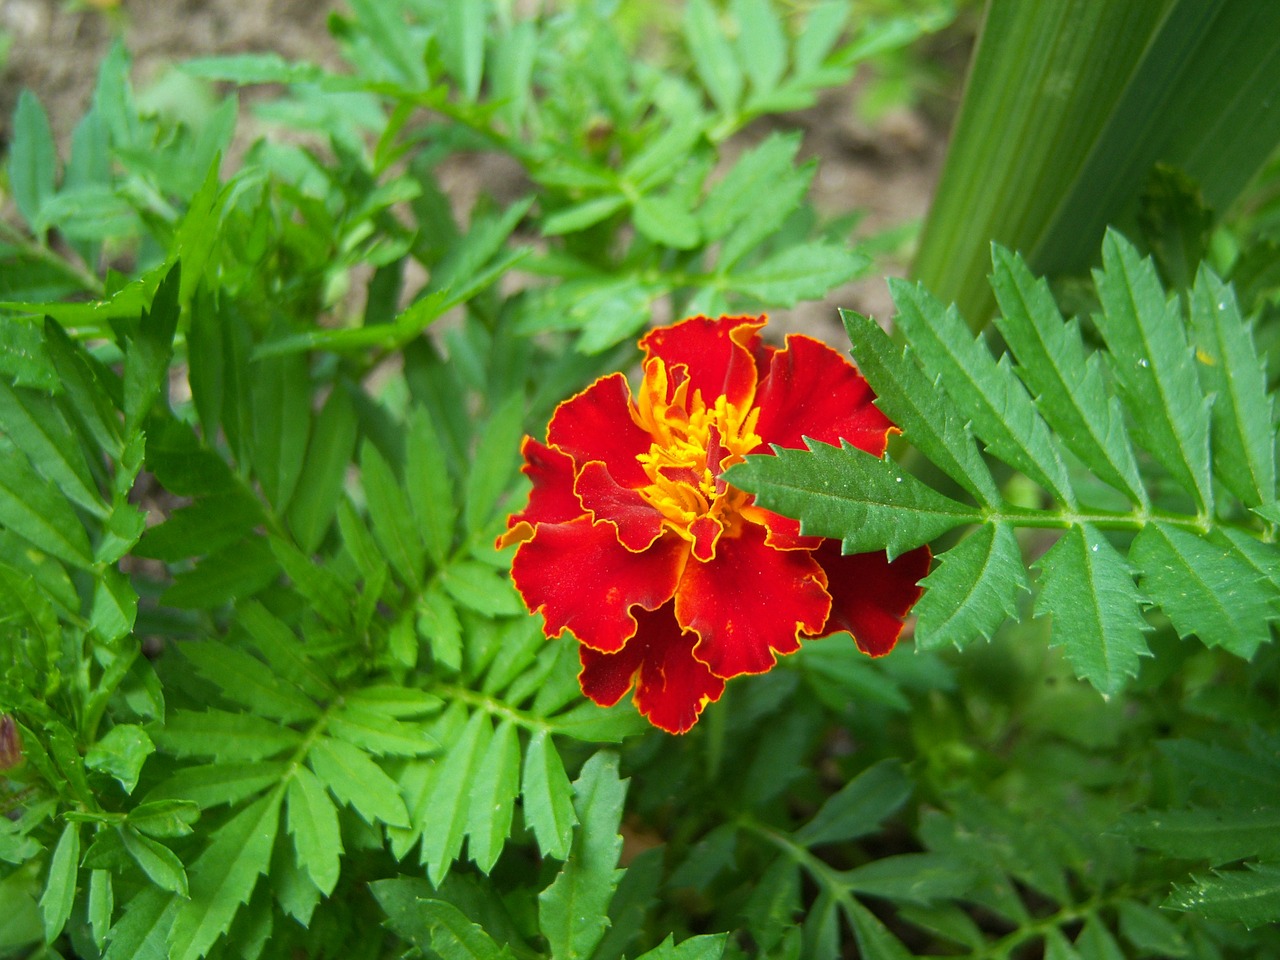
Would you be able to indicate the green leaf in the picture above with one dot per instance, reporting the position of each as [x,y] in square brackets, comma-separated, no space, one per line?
[40,514]
[142,932]
[121,753]
[1086,588]
[455,937]
[233,574]
[859,807]
[705,947]
[229,737]
[481,588]
[37,427]
[847,494]
[712,56]
[149,350]
[1151,931]
[223,877]
[872,937]
[33,159]
[1250,896]
[987,393]
[973,589]
[102,904]
[313,824]
[1070,389]
[246,680]
[213,784]
[1243,435]
[380,734]
[206,526]
[390,517]
[548,804]
[463,39]
[86,385]
[492,797]
[60,885]
[735,198]
[665,220]
[449,802]
[115,606]
[438,622]
[912,401]
[164,818]
[572,911]
[156,860]
[280,394]
[426,476]
[806,271]
[284,653]
[1153,367]
[496,460]
[1205,588]
[579,216]
[329,450]
[762,44]
[358,782]
[922,878]
[328,593]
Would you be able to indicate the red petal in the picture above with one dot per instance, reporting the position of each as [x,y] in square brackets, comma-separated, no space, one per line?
[552,499]
[596,424]
[672,686]
[751,601]
[638,523]
[783,532]
[870,595]
[812,391]
[718,354]
[580,578]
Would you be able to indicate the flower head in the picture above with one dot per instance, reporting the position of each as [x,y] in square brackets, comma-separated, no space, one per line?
[672,580]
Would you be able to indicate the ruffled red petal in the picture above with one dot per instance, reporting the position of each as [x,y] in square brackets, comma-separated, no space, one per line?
[751,601]
[672,686]
[719,355]
[551,499]
[783,532]
[869,595]
[596,424]
[812,391]
[638,523]
[580,578]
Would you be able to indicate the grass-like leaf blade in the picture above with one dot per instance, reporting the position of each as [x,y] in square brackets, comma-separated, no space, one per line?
[1244,433]
[987,393]
[1152,364]
[974,587]
[912,401]
[1086,588]
[1069,387]
[845,493]
[1207,589]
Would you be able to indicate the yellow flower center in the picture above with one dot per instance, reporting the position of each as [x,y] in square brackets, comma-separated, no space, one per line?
[693,444]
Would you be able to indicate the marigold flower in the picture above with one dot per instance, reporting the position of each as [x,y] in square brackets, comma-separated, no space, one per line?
[672,580]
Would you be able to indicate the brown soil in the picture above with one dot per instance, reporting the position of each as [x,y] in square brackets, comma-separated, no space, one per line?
[887,171]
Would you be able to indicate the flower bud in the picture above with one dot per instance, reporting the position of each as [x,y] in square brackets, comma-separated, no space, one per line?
[10,743]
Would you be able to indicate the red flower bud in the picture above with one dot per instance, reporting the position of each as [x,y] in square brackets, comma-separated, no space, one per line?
[10,743]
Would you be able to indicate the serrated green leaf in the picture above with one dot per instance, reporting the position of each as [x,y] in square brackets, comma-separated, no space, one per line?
[448,802]
[86,385]
[115,606]
[149,350]
[1243,434]
[142,932]
[859,807]
[37,427]
[806,271]
[390,517]
[774,906]
[358,782]
[495,462]
[735,198]
[1070,390]
[1250,896]
[481,588]
[40,514]
[207,525]
[280,395]
[313,824]
[1096,943]
[923,878]
[329,451]
[912,401]
[213,784]
[872,936]
[1153,367]
[60,884]
[987,393]
[156,860]
[572,911]
[973,589]
[438,623]
[455,937]
[762,44]
[712,56]
[1086,588]
[1151,931]
[234,573]
[426,476]
[33,159]
[223,877]
[705,947]
[1207,589]
[394,701]
[246,680]
[164,818]
[548,803]
[665,220]
[492,797]
[230,737]
[284,652]
[380,734]
[328,593]
[844,493]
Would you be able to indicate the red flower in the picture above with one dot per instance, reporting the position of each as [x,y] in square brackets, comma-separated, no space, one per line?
[672,580]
